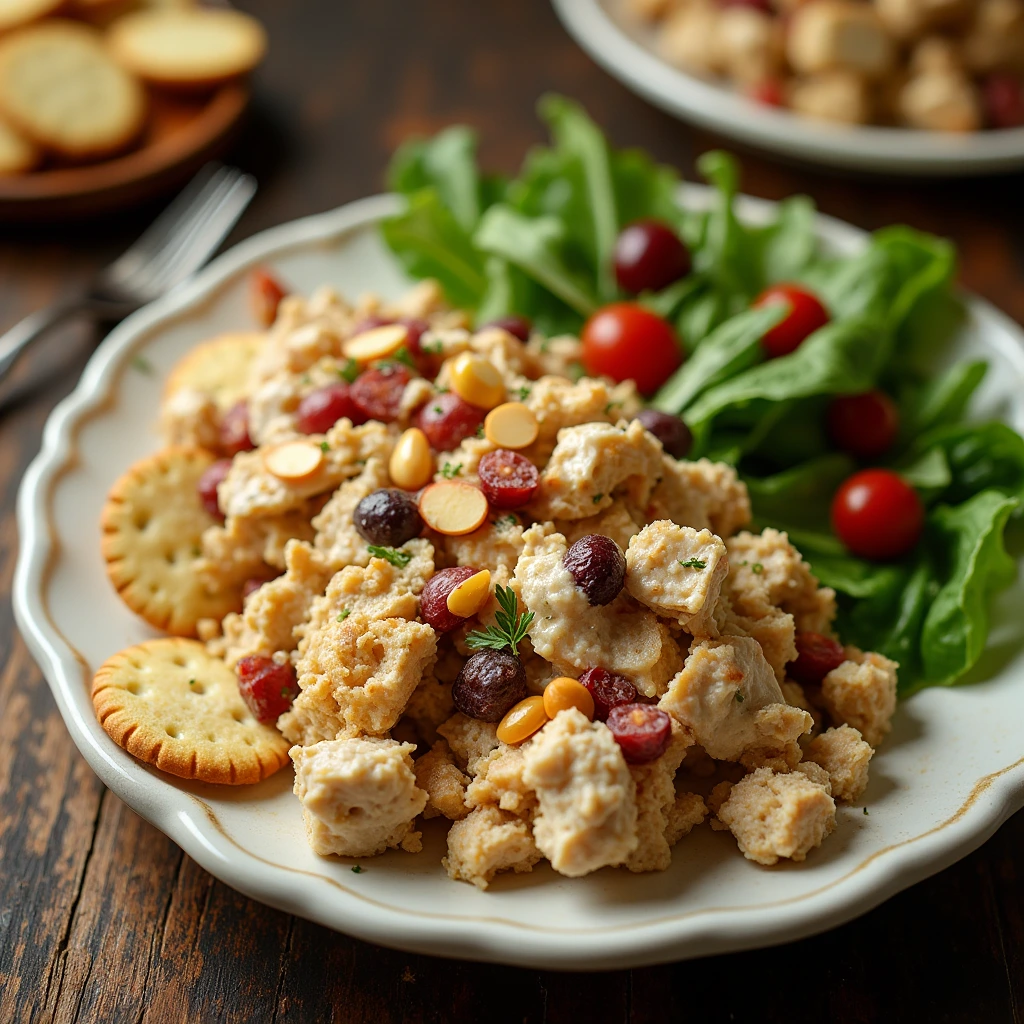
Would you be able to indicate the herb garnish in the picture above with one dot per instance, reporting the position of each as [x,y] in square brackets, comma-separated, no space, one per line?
[509,520]
[480,431]
[434,348]
[693,563]
[349,371]
[404,356]
[597,498]
[510,629]
[399,559]
[357,869]
[757,568]
[438,410]
[142,364]
[343,614]
[448,471]
[523,393]
[739,697]
[324,446]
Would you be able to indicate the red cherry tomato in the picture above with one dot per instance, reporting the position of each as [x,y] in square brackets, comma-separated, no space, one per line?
[624,341]
[863,426]
[877,515]
[806,315]
[266,295]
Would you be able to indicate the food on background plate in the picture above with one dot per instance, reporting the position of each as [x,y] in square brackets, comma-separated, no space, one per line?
[579,647]
[80,88]
[954,65]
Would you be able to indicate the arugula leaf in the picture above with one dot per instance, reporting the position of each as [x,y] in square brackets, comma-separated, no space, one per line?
[944,398]
[429,242]
[956,626]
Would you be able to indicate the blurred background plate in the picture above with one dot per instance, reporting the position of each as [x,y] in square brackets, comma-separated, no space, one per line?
[182,133]
[623,48]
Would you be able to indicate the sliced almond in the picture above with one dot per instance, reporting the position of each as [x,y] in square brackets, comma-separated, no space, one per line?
[294,460]
[377,343]
[470,595]
[453,508]
[511,425]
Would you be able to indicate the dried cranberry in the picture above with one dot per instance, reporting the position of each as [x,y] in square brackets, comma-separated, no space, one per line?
[817,655]
[608,690]
[321,409]
[642,731]
[266,293]
[490,684]
[266,687]
[447,421]
[508,479]
[388,517]
[234,430]
[377,394]
[518,326]
[207,486]
[671,431]
[598,567]
[434,599]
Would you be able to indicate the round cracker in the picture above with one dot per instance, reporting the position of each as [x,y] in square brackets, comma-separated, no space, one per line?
[170,703]
[153,525]
[20,12]
[17,154]
[61,88]
[188,48]
[218,368]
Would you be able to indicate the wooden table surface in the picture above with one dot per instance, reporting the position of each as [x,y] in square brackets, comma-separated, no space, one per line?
[104,919]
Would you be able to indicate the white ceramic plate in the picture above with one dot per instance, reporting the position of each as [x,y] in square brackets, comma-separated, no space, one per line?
[625,48]
[951,772]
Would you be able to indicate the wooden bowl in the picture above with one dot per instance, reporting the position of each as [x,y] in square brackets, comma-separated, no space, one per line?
[181,134]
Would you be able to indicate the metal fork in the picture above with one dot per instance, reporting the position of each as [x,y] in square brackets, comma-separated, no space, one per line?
[170,250]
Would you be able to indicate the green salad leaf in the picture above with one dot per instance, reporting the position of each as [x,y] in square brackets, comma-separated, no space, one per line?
[540,245]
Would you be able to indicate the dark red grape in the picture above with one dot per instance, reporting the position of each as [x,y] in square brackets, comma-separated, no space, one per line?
[508,479]
[608,690]
[671,431]
[377,393]
[447,421]
[490,684]
[642,731]
[817,655]
[321,409]
[598,567]
[388,517]
[649,256]
[234,430]
[266,687]
[207,486]
[518,326]
[434,599]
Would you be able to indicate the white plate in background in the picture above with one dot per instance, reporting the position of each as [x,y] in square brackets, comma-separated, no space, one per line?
[951,772]
[625,49]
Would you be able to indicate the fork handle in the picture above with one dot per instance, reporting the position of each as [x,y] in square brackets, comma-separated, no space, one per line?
[22,334]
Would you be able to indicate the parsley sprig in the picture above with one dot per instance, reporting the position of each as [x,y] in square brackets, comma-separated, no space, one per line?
[693,563]
[399,559]
[510,629]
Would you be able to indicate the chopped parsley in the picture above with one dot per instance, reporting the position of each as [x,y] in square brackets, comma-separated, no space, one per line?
[142,364]
[343,614]
[437,409]
[693,563]
[510,629]
[191,682]
[434,348]
[865,810]
[196,552]
[480,431]
[523,393]
[357,869]
[285,692]
[757,568]
[349,371]
[509,520]
[448,471]
[324,446]
[608,408]
[399,559]
[404,356]
[306,379]
[739,697]
[597,498]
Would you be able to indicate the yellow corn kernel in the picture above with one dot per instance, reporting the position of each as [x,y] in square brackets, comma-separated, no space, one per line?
[511,425]
[565,692]
[476,380]
[523,721]
[411,465]
[470,595]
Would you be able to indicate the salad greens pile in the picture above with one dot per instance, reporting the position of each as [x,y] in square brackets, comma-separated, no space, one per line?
[540,245]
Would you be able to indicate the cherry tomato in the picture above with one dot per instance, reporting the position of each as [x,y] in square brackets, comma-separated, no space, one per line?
[806,315]
[649,256]
[877,515]
[267,293]
[624,341]
[768,91]
[1003,97]
[863,426]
